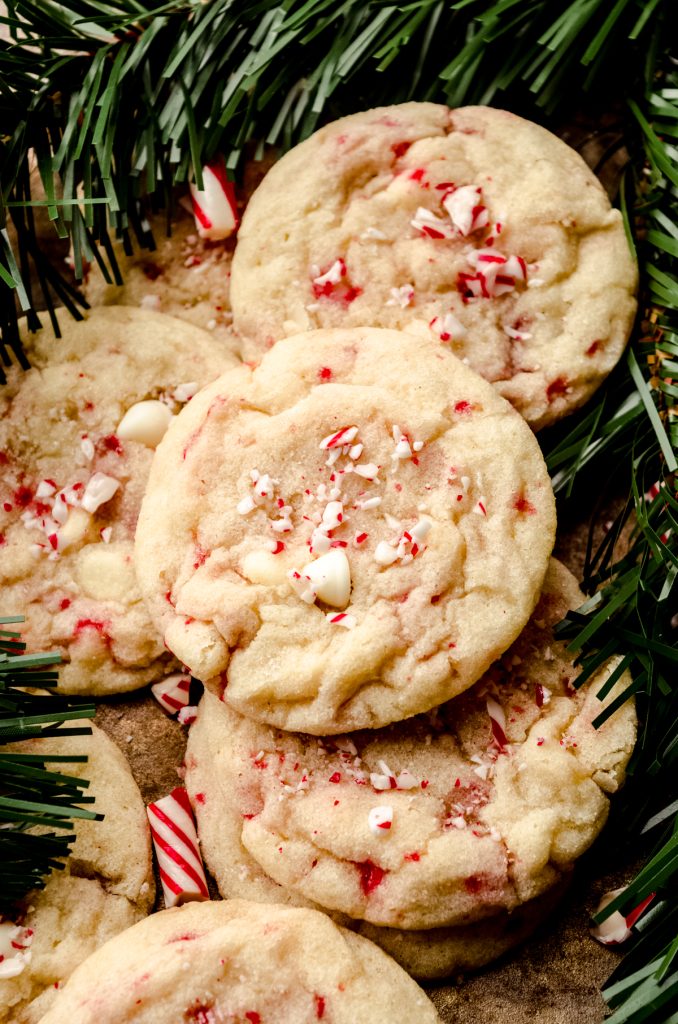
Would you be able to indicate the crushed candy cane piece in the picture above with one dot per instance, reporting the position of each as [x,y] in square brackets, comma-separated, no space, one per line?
[342,619]
[87,449]
[145,422]
[171,693]
[184,392]
[498,722]
[330,277]
[402,296]
[430,225]
[374,233]
[302,586]
[616,928]
[214,206]
[447,327]
[380,819]
[341,437]
[188,715]
[100,489]
[385,554]
[465,209]
[15,952]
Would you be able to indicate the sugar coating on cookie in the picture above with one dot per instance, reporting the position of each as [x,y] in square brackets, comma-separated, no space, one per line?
[471,810]
[107,884]
[239,961]
[76,443]
[357,527]
[474,226]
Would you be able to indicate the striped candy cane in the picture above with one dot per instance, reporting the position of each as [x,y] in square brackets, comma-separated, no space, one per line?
[214,206]
[176,847]
[171,693]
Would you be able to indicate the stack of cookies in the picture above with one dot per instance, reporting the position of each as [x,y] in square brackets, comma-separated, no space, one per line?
[347,539]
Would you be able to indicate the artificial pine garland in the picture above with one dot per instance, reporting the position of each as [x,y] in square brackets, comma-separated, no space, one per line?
[121,101]
[30,795]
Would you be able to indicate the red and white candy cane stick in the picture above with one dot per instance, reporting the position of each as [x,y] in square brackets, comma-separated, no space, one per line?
[176,847]
[214,206]
[172,692]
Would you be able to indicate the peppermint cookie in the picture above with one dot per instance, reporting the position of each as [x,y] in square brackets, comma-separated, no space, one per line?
[106,886]
[184,276]
[77,434]
[357,527]
[456,816]
[238,961]
[480,228]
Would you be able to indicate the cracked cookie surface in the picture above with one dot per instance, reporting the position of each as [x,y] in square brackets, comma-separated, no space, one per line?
[238,961]
[70,571]
[474,226]
[488,801]
[380,463]
[107,884]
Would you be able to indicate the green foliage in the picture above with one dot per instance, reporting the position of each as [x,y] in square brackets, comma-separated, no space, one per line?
[34,801]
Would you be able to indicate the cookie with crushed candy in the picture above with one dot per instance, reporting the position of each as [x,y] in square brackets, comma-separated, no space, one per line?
[105,887]
[77,434]
[465,815]
[241,962]
[474,226]
[356,528]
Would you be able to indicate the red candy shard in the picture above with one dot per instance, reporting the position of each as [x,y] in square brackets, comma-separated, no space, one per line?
[319,1006]
[400,148]
[463,408]
[473,883]
[99,627]
[23,496]
[110,443]
[199,1014]
[521,504]
[413,856]
[539,695]
[556,388]
[200,798]
[335,777]
[253,1017]
[371,875]
[152,271]
[593,347]
[324,373]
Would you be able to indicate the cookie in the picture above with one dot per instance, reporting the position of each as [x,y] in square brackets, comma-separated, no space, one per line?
[451,817]
[472,225]
[75,452]
[184,277]
[357,527]
[441,952]
[106,886]
[238,961]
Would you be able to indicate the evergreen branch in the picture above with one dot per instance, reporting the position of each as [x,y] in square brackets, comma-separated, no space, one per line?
[34,801]
[197,79]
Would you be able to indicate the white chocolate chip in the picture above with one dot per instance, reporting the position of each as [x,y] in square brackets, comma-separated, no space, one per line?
[145,422]
[330,576]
